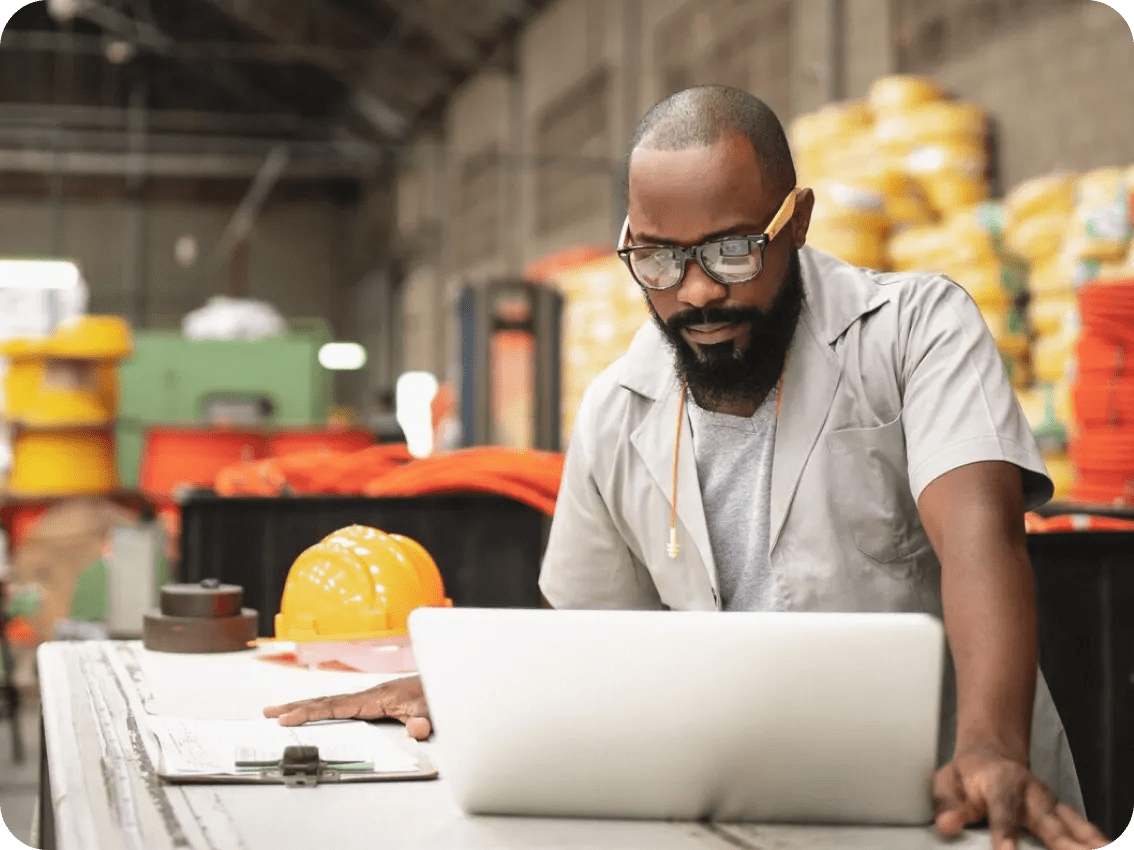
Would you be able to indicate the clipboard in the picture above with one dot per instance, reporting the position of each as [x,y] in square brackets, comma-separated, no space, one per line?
[300,767]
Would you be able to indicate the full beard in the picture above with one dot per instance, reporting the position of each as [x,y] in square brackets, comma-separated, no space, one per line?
[728,372]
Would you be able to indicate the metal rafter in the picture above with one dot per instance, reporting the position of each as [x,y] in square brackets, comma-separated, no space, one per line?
[399,79]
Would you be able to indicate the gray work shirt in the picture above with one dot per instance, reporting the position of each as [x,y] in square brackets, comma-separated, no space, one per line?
[892,380]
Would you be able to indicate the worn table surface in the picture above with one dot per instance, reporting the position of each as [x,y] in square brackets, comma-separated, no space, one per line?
[104,793]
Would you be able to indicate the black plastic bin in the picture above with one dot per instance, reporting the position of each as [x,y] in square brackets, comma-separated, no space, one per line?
[1085,596]
[488,548]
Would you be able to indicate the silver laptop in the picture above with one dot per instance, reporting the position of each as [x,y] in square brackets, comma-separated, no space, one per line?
[808,718]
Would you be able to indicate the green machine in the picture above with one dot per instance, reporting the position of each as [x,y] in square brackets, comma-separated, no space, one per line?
[172,380]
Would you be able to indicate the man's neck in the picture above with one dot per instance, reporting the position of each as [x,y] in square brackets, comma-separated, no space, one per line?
[729,406]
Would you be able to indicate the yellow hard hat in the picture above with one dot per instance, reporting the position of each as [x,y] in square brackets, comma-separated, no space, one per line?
[356,584]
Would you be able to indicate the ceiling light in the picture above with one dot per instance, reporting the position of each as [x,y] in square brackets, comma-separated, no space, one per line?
[342,356]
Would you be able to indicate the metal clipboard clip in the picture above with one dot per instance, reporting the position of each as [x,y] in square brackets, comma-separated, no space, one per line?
[300,767]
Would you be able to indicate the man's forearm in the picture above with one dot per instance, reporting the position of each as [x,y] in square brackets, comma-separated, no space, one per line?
[990,621]
[974,517]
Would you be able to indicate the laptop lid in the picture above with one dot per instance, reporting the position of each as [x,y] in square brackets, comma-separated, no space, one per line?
[800,717]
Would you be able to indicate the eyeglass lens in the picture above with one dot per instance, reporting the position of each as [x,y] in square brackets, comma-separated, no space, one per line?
[725,260]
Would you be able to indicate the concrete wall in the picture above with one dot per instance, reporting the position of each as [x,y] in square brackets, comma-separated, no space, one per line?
[296,259]
[1061,88]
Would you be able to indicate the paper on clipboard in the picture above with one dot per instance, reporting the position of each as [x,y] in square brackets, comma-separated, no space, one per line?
[191,747]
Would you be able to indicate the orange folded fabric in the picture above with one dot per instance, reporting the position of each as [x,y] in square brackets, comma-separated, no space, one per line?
[531,477]
[1036,524]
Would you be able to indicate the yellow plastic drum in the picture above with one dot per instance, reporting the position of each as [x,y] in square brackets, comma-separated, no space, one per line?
[53,463]
[21,381]
[68,394]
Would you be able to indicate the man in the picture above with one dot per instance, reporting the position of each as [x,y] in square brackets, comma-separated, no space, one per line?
[383,421]
[793,433]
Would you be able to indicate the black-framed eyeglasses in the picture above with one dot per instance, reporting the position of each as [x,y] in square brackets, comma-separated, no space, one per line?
[728,260]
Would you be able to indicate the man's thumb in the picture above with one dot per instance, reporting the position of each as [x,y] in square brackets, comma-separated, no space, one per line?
[419,727]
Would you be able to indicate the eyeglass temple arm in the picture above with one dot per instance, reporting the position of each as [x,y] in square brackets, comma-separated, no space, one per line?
[787,210]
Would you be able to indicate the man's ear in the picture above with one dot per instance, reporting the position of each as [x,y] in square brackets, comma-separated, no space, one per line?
[801,221]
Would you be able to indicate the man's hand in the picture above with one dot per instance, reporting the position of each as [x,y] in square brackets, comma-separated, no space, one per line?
[401,699]
[983,784]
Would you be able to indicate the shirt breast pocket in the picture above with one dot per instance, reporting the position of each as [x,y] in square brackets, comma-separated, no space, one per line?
[869,493]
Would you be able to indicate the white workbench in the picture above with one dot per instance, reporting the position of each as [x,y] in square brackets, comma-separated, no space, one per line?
[104,792]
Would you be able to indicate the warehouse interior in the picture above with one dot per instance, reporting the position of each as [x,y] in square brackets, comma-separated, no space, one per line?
[272,268]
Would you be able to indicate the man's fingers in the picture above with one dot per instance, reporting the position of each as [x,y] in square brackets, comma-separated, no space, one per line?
[1058,826]
[954,812]
[419,727]
[325,708]
[1005,812]
[277,710]
[1083,831]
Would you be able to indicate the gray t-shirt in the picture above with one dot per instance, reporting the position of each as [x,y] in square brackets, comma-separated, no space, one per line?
[734,468]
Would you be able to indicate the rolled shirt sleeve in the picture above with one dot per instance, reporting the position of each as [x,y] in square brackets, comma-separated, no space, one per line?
[958,403]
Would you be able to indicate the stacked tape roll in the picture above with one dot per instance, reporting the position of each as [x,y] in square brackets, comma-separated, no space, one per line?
[849,221]
[894,94]
[1100,224]
[1103,396]
[945,148]
[817,136]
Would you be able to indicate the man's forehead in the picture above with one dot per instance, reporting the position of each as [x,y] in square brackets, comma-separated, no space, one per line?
[730,161]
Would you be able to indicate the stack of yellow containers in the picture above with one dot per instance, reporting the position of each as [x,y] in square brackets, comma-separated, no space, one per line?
[1071,229]
[61,396]
[1037,214]
[835,155]
[905,157]
[942,143]
[1036,217]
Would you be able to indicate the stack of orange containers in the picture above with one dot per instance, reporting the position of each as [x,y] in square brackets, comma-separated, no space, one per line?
[1102,448]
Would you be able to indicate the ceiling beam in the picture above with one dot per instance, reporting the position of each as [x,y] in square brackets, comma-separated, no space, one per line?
[436,24]
[266,53]
[66,116]
[401,90]
[180,165]
[150,37]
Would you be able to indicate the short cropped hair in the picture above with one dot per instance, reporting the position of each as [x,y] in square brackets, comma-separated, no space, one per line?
[698,117]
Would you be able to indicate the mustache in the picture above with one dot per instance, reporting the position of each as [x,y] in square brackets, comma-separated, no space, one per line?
[716,316]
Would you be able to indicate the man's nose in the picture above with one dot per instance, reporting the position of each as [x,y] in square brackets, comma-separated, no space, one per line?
[697,289]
